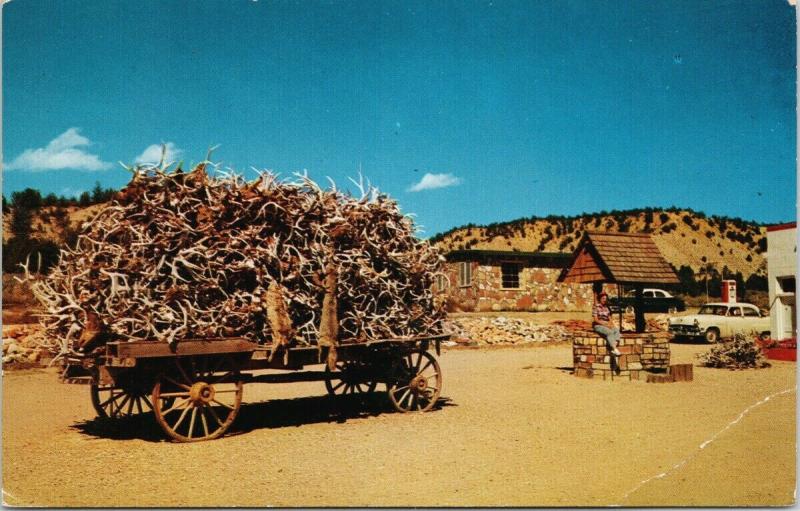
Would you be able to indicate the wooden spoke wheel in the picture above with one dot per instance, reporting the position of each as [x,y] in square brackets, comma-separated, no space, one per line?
[353,379]
[112,402]
[198,398]
[416,382]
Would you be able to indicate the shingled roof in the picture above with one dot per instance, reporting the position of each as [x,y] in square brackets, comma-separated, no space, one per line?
[623,258]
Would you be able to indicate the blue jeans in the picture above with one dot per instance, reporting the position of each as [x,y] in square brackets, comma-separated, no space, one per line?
[612,335]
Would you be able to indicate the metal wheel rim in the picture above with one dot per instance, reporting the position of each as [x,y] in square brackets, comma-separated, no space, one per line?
[346,385]
[413,367]
[188,419]
[118,403]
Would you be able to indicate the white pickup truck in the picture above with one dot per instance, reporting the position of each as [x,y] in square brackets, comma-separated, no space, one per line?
[715,321]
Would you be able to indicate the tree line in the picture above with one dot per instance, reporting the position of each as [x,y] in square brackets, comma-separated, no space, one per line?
[32,199]
[709,279]
[24,245]
[622,218]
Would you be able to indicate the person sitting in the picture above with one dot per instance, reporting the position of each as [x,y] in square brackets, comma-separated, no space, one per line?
[601,322]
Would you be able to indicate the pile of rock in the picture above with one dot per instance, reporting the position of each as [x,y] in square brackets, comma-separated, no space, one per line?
[22,345]
[574,325]
[659,323]
[483,330]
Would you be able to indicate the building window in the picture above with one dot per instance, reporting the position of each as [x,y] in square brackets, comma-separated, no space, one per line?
[510,273]
[441,283]
[464,274]
[786,284]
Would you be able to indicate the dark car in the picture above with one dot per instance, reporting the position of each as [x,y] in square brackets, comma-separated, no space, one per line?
[655,300]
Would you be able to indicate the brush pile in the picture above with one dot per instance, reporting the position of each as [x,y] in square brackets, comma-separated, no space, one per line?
[190,255]
[741,353]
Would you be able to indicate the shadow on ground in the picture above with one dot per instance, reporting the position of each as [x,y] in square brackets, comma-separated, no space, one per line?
[277,413]
[689,340]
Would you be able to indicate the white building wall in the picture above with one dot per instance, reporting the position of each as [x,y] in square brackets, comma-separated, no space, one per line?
[781,263]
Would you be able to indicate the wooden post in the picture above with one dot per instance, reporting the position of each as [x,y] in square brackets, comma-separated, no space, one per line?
[621,308]
[681,372]
[641,324]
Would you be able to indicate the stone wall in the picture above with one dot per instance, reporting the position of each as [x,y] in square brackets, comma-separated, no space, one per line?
[647,351]
[538,291]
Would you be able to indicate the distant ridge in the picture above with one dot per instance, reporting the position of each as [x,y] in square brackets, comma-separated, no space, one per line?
[685,237]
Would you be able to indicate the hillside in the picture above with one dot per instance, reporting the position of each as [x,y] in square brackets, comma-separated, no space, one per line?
[685,237]
[52,222]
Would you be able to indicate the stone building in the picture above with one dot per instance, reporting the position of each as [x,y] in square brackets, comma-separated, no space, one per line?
[499,280]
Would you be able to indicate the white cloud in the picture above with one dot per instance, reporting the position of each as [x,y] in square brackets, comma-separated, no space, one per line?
[153,153]
[432,181]
[66,151]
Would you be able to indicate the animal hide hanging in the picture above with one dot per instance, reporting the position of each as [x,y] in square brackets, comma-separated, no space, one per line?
[329,322]
[280,322]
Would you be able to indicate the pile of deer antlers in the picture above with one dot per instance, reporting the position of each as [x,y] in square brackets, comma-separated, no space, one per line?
[181,255]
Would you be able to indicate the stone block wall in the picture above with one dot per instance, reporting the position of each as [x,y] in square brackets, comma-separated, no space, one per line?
[538,291]
[647,351]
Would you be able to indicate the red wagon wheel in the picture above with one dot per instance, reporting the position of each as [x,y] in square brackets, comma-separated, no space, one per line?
[199,398]
[416,382]
[112,402]
[351,379]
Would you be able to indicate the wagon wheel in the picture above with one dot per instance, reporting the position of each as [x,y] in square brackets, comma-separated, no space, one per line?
[112,402]
[416,382]
[199,399]
[351,379]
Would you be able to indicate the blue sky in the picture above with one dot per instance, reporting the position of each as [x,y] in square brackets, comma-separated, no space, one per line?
[463,111]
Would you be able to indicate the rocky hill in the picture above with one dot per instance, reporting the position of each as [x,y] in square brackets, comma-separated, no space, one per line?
[685,237]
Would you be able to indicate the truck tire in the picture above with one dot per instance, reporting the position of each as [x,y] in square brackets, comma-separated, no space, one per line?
[712,335]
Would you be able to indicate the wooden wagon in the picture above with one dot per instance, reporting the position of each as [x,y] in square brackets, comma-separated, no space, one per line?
[194,388]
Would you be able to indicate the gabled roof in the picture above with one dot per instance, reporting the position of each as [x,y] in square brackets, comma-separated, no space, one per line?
[623,258]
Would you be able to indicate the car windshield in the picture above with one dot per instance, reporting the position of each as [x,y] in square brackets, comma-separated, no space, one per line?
[717,310]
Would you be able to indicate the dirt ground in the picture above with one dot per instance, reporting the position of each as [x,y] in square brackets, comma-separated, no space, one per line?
[515,428]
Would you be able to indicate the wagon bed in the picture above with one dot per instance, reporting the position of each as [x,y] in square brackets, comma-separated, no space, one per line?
[195,387]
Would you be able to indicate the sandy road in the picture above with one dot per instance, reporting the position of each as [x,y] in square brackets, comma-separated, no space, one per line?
[516,429]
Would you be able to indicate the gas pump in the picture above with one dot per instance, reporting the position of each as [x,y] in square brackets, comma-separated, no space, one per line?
[728,291]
